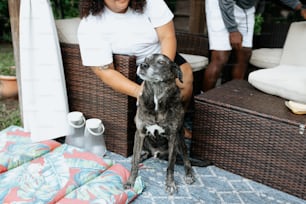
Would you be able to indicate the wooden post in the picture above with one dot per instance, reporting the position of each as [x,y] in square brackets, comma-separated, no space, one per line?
[14,10]
[197,16]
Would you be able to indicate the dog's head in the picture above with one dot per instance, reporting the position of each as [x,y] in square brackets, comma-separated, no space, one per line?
[157,68]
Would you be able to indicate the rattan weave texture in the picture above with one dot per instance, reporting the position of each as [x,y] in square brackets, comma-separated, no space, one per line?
[252,134]
[88,94]
[191,43]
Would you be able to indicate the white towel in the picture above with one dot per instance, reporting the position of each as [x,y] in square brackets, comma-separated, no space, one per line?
[44,97]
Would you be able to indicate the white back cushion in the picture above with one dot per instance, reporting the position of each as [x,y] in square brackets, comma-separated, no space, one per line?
[67,30]
[294,52]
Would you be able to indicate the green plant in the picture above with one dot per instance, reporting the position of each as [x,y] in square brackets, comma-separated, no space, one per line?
[5,27]
[9,116]
[6,62]
[8,71]
[65,8]
[258,24]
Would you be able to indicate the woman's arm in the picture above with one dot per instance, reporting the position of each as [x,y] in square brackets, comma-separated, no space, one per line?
[166,35]
[117,81]
[167,39]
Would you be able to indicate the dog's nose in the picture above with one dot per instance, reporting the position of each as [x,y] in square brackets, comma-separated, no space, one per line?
[144,65]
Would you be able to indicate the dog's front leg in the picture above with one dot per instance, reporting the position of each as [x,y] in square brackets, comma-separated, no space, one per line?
[170,183]
[138,144]
[182,148]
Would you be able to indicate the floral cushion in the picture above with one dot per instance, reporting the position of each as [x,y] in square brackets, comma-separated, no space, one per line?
[50,177]
[58,173]
[106,188]
[17,148]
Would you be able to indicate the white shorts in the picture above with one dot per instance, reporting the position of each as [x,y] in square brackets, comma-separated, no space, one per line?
[217,33]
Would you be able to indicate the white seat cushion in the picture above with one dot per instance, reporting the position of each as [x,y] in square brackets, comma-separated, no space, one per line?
[197,62]
[67,30]
[286,81]
[266,57]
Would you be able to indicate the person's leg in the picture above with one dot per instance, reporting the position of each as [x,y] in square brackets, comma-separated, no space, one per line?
[186,93]
[187,98]
[219,44]
[245,20]
[243,56]
[213,70]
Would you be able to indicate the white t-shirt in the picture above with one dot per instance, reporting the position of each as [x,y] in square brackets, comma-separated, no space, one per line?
[129,33]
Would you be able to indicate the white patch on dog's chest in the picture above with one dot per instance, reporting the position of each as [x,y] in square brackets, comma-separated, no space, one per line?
[152,128]
[156,102]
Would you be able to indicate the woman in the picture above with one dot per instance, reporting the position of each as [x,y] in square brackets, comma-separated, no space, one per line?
[132,27]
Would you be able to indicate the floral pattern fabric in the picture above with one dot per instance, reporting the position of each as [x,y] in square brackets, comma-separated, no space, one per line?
[106,188]
[65,175]
[17,148]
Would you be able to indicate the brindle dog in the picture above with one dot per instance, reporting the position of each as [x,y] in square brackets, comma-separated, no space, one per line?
[159,119]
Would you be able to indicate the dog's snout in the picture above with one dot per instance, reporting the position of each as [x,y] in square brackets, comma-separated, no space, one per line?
[144,65]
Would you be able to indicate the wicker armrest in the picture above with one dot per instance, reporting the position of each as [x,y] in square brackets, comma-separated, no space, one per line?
[88,94]
[190,43]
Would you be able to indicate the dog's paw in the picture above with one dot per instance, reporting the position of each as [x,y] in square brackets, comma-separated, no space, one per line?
[189,178]
[128,185]
[171,188]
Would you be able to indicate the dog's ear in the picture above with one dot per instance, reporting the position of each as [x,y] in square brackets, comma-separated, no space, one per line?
[177,71]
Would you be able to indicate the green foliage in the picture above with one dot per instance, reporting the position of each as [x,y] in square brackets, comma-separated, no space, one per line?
[9,108]
[6,62]
[9,116]
[258,24]
[61,9]
[5,27]
[8,71]
[65,8]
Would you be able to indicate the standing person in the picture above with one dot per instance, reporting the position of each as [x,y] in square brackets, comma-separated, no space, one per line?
[131,27]
[230,25]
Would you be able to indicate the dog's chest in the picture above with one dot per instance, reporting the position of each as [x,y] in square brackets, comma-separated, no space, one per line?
[159,100]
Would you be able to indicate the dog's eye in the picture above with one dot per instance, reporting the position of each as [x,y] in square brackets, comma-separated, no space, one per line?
[162,62]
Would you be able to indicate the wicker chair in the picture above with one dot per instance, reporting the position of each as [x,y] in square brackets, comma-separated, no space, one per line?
[88,94]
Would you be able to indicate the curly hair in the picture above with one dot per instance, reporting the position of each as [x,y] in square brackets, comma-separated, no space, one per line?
[95,7]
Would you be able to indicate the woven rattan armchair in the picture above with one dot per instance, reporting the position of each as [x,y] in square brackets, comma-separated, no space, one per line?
[88,94]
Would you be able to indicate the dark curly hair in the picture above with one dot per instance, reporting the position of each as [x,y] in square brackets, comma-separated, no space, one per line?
[95,7]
